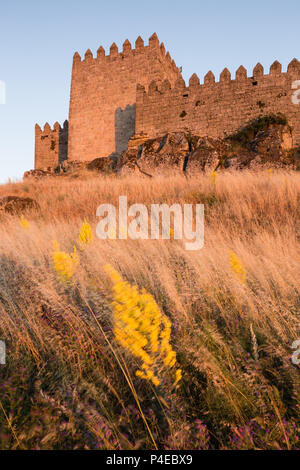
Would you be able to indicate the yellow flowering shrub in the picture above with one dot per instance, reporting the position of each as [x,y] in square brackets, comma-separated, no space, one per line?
[65,264]
[141,328]
[86,234]
[24,223]
[236,266]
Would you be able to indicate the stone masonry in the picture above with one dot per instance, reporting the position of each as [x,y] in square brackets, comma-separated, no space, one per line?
[218,109]
[103,95]
[51,145]
[141,92]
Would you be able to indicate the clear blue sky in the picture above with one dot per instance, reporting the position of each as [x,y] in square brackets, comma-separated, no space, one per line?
[38,39]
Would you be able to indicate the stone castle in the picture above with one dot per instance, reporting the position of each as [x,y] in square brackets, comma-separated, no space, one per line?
[140,93]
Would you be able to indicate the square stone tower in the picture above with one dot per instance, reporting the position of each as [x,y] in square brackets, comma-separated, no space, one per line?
[103,95]
[51,146]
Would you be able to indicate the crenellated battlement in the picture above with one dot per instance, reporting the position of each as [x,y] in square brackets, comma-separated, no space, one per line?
[127,52]
[217,107]
[48,129]
[209,80]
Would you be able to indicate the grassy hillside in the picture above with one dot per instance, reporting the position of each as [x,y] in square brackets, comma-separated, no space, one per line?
[69,381]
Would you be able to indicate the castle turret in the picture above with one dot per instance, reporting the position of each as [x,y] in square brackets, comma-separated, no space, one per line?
[51,145]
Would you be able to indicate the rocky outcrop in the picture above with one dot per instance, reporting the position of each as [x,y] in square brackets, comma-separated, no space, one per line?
[159,155]
[16,205]
[71,166]
[266,142]
[37,174]
[205,157]
[103,165]
[271,147]
[263,143]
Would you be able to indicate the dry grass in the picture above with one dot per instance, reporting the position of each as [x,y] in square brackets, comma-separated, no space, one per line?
[67,384]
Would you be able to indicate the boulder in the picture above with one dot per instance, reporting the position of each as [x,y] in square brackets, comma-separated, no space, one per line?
[205,157]
[126,164]
[137,139]
[37,174]
[72,166]
[103,165]
[162,154]
[16,205]
[270,147]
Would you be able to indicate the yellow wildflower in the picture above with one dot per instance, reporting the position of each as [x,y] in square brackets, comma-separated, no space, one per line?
[65,264]
[178,376]
[141,328]
[236,267]
[86,234]
[24,223]
[213,178]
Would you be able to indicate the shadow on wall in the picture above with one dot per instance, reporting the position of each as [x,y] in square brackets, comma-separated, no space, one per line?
[63,143]
[124,127]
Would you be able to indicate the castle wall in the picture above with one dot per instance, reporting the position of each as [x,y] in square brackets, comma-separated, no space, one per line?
[51,145]
[103,95]
[218,109]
